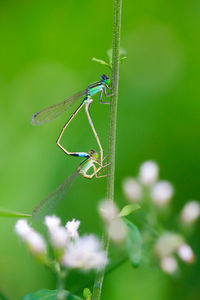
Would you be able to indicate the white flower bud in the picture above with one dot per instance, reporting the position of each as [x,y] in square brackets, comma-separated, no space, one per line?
[117,230]
[59,237]
[85,253]
[132,189]
[72,228]
[108,210]
[161,193]
[31,238]
[36,243]
[167,244]
[22,228]
[169,264]
[190,212]
[185,253]
[148,173]
[52,222]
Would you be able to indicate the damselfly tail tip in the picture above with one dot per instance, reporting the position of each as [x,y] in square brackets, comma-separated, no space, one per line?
[33,119]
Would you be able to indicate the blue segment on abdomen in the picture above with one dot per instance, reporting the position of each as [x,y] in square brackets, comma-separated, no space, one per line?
[80,154]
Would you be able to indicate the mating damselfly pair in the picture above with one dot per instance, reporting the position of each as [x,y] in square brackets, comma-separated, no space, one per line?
[91,158]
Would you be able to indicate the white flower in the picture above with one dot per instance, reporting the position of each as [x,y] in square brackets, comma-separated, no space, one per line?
[108,210]
[52,222]
[59,237]
[72,228]
[36,243]
[22,228]
[185,253]
[29,236]
[132,189]
[161,193]
[169,264]
[148,173]
[85,253]
[167,244]
[190,212]
[117,230]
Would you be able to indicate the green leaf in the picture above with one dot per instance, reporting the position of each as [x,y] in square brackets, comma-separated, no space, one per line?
[101,62]
[122,59]
[128,209]
[87,293]
[133,243]
[49,295]
[12,214]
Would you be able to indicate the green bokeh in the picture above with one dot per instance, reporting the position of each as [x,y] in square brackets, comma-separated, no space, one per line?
[45,55]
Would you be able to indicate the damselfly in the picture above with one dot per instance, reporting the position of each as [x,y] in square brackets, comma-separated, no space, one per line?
[56,110]
[48,205]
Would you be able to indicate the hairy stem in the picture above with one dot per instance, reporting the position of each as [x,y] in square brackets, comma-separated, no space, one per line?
[112,130]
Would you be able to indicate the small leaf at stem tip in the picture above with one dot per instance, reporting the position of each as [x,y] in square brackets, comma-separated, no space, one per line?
[87,294]
[128,209]
[133,243]
[123,58]
[50,295]
[100,61]
[6,213]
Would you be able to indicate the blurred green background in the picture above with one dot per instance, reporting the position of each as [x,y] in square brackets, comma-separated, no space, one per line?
[45,56]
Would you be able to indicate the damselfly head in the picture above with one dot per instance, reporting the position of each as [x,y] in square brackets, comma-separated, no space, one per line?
[105,78]
[93,154]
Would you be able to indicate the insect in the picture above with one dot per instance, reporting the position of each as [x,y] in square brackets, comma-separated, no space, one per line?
[56,110]
[47,205]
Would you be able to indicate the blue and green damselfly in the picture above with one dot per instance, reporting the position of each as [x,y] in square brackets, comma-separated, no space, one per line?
[56,110]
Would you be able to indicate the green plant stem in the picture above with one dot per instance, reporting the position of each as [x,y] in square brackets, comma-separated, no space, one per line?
[89,283]
[60,287]
[112,130]
[61,275]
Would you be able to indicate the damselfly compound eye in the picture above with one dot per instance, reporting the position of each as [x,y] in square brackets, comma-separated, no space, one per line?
[104,77]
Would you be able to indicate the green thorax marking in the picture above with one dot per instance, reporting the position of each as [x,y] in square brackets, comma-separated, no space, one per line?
[93,90]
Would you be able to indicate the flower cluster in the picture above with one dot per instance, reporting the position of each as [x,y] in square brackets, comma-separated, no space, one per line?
[168,247]
[71,251]
[148,189]
[160,192]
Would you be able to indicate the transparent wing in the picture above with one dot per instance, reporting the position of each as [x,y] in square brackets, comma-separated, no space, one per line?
[48,205]
[53,111]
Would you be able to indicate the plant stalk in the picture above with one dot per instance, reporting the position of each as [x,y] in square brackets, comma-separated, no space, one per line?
[112,131]
[61,275]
